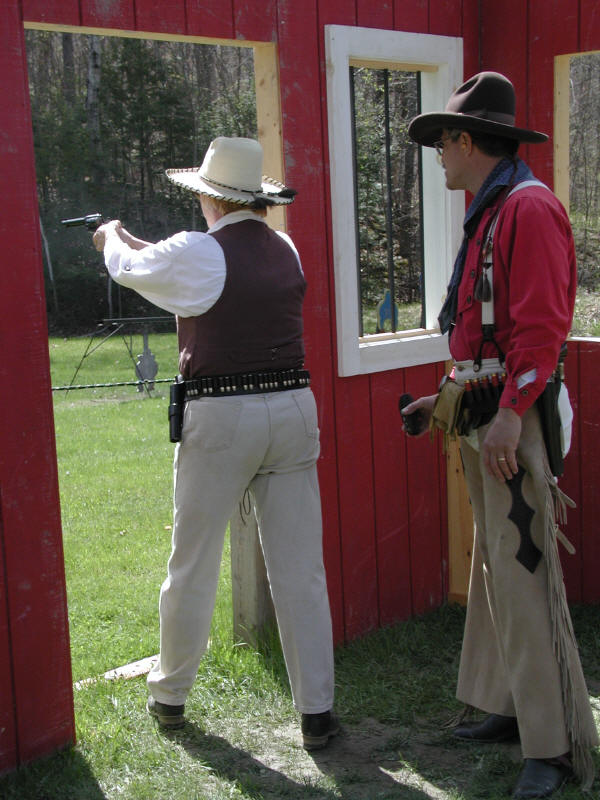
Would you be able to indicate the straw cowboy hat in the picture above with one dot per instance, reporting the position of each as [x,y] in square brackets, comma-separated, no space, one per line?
[232,170]
[483,104]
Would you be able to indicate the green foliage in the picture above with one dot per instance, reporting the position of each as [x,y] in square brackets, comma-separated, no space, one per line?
[381,186]
[110,114]
[584,167]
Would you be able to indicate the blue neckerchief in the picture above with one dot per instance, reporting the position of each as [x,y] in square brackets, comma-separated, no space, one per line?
[506,173]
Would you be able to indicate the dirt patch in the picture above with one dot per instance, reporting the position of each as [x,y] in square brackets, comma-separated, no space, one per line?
[366,761]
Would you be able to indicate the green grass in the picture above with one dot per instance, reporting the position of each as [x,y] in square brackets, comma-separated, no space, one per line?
[394,687]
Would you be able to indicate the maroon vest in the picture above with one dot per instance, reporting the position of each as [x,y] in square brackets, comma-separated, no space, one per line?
[256,324]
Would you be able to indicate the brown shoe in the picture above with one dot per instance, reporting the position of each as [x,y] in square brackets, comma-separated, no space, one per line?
[494,728]
[317,729]
[167,716]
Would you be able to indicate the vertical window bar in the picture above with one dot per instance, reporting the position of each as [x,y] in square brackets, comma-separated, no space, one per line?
[390,198]
[421,225]
[356,217]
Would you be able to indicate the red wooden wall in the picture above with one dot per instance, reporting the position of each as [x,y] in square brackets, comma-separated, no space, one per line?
[383,497]
[538,31]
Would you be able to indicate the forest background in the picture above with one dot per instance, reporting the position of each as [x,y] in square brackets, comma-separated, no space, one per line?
[110,114]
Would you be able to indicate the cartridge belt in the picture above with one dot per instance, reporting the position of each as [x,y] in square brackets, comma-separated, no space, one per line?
[246,383]
[468,370]
[483,385]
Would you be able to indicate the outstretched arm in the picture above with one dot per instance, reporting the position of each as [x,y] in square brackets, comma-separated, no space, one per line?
[114,228]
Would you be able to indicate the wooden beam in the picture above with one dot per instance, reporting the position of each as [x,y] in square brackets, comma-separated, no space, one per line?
[268,117]
[562,67]
[252,605]
[460,528]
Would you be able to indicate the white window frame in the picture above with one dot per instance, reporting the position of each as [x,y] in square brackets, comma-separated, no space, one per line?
[439,59]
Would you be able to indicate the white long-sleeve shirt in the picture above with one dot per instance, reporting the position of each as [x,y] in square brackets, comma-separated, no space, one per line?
[183,274]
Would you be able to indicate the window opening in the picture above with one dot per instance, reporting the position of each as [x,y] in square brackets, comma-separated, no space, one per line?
[388,200]
[584,187]
[395,227]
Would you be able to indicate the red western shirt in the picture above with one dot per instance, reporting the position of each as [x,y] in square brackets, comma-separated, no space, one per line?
[534,279]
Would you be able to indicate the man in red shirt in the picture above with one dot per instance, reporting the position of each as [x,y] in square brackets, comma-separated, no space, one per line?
[508,311]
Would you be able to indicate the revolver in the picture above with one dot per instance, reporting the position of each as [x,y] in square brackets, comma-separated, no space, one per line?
[91,221]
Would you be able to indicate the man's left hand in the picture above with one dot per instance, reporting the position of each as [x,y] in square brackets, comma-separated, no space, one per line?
[500,445]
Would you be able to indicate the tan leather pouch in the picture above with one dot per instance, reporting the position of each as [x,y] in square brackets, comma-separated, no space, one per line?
[446,411]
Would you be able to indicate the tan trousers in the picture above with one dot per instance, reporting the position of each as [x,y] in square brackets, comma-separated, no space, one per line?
[508,662]
[269,443]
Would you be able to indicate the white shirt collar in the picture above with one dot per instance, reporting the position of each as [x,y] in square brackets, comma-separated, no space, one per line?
[235,216]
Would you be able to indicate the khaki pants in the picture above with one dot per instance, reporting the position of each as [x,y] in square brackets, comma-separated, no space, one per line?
[508,662]
[270,444]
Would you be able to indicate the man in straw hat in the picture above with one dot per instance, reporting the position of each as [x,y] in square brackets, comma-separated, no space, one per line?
[507,312]
[250,421]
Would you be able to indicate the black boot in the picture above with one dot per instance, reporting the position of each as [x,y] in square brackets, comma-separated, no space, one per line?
[317,729]
[542,777]
[494,728]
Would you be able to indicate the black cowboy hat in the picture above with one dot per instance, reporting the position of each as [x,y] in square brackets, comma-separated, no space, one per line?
[483,104]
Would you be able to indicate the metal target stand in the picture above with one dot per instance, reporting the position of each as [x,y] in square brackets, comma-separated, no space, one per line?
[145,366]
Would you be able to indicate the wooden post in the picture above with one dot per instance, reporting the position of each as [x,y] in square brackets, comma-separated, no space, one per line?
[460,527]
[252,605]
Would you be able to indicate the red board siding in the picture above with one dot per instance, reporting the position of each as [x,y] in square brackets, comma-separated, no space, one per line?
[301,100]
[425,505]
[445,17]
[255,21]
[383,496]
[552,31]
[589,433]
[160,17]
[502,23]
[8,737]
[357,522]
[34,592]
[210,18]
[65,12]
[589,25]
[116,14]
[391,499]
[413,17]
[470,33]
[375,15]
[570,483]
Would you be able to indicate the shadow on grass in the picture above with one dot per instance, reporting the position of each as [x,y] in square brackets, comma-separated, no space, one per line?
[257,780]
[63,776]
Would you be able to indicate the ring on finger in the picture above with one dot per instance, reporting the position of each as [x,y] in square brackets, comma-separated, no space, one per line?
[501,458]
